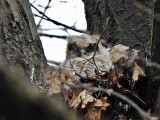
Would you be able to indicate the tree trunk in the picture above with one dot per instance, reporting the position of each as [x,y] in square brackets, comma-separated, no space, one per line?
[22,101]
[128,25]
[155,52]
[20,45]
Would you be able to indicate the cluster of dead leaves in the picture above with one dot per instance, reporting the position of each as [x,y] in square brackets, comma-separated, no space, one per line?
[125,57]
[94,102]
[81,98]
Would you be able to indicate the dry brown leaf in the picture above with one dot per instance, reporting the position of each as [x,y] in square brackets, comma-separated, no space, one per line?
[149,116]
[54,82]
[118,52]
[55,78]
[136,72]
[101,103]
[48,72]
[93,113]
[87,99]
[84,97]
[154,118]
[54,87]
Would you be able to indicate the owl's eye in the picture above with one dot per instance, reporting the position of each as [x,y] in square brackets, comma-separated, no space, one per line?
[73,47]
[90,48]
[73,50]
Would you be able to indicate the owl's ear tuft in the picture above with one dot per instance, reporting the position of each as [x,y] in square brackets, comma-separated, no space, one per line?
[72,46]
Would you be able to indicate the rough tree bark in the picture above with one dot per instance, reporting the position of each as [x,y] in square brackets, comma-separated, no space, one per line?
[155,52]
[21,50]
[20,45]
[127,25]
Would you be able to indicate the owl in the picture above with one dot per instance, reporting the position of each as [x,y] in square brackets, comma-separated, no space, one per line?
[79,56]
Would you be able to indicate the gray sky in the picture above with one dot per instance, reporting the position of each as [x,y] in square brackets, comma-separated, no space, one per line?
[69,12]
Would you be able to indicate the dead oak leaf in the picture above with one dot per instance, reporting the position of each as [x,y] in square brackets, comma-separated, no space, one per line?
[54,83]
[55,79]
[54,87]
[149,117]
[119,51]
[136,72]
[83,97]
[101,103]
[93,113]
[88,98]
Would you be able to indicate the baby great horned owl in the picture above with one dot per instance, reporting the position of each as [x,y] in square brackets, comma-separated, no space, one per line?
[80,50]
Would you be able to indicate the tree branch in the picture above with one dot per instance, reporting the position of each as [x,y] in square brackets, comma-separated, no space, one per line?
[45,9]
[53,62]
[56,36]
[53,21]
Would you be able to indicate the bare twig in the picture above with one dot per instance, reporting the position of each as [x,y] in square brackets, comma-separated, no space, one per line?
[53,21]
[107,21]
[45,9]
[74,69]
[96,48]
[56,36]
[53,62]
[153,64]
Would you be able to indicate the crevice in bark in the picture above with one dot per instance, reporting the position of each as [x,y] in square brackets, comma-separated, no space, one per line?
[122,13]
[20,44]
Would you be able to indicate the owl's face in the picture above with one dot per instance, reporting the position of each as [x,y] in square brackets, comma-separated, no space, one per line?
[76,51]
[80,46]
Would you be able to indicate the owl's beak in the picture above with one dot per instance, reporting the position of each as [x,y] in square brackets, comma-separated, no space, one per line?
[83,52]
